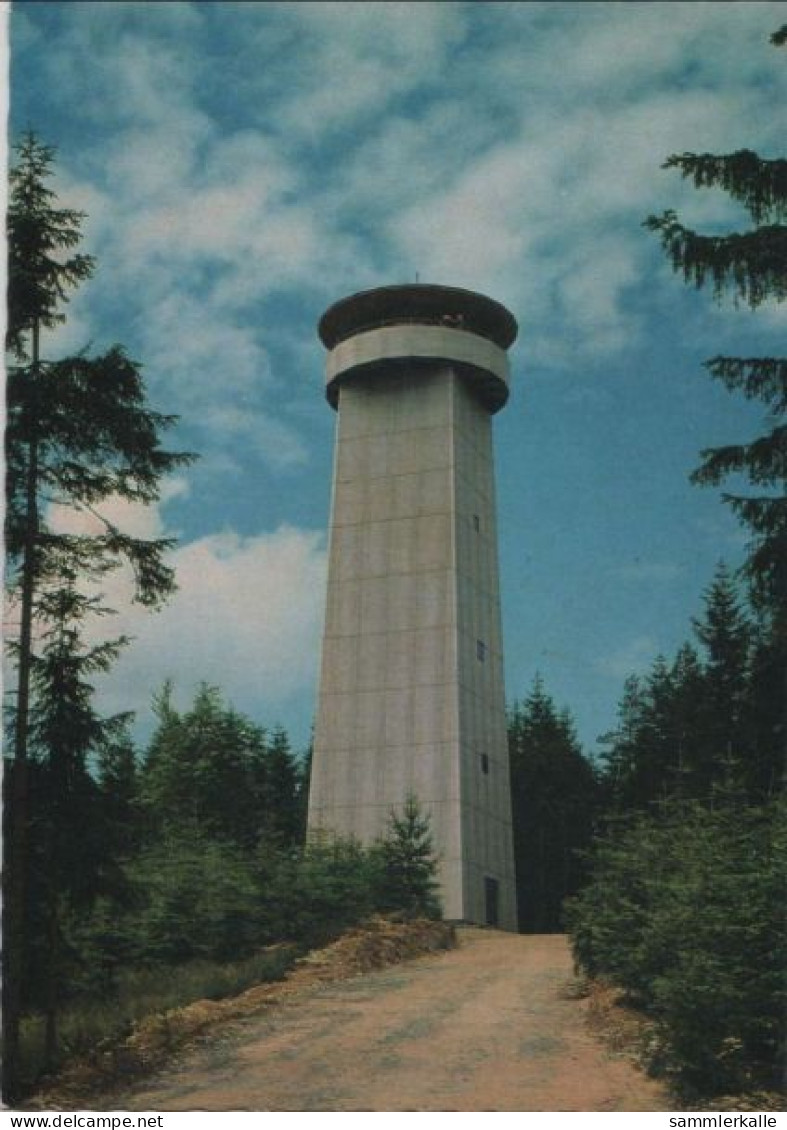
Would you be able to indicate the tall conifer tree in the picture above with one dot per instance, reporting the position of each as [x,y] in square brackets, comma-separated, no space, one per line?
[553,800]
[79,434]
[748,266]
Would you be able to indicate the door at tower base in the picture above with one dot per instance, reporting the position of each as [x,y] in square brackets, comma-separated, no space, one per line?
[411,693]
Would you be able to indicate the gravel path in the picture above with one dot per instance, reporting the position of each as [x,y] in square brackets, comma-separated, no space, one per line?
[491,1025]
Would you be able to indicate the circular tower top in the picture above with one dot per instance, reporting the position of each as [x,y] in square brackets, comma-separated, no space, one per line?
[418,304]
[399,328]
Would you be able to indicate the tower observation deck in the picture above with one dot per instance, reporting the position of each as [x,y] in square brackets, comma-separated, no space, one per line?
[411,695]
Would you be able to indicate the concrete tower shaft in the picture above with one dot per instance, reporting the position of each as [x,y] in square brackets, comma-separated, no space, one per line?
[411,690]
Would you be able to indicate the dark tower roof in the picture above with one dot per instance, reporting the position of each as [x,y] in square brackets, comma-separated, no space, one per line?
[421,304]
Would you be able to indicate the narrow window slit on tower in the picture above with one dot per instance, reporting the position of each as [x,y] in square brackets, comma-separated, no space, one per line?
[476,523]
[491,898]
[485,763]
[480,650]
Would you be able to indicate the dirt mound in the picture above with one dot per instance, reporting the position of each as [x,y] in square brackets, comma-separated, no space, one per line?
[373,945]
[378,943]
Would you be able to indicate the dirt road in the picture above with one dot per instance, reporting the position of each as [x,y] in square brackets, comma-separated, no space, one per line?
[488,1026]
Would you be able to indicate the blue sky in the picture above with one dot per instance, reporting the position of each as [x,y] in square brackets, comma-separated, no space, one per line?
[244,165]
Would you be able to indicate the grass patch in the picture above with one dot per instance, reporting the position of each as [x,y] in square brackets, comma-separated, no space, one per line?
[93,1026]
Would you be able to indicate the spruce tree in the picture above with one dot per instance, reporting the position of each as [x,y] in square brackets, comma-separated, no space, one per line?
[71,864]
[751,267]
[684,911]
[205,768]
[683,725]
[118,780]
[408,865]
[553,800]
[658,753]
[79,434]
[622,744]
[687,723]
[281,803]
[766,715]
[725,634]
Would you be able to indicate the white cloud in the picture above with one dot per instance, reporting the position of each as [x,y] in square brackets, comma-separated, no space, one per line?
[277,443]
[550,219]
[580,53]
[125,69]
[247,616]
[356,59]
[135,520]
[151,165]
[208,356]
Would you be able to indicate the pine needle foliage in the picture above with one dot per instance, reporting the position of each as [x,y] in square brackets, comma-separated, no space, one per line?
[80,437]
[685,912]
[40,276]
[408,883]
[554,799]
[748,267]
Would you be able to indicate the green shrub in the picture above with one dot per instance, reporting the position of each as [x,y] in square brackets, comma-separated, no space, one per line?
[312,895]
[200,901]
[685,911]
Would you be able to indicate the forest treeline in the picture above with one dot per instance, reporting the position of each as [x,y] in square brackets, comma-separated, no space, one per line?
[200,880]
[705,726]
[666,857]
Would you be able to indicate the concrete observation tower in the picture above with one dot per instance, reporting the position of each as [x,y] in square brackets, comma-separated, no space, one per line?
[411,690]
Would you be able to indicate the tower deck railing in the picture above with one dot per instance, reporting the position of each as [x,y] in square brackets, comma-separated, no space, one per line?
[447,321]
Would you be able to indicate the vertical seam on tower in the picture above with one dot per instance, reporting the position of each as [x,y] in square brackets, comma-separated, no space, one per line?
[452,379]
